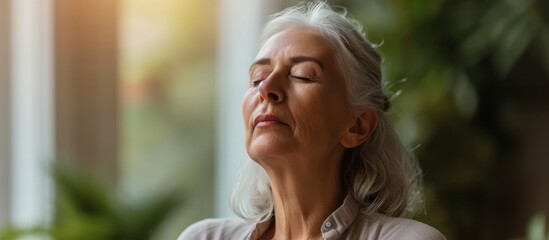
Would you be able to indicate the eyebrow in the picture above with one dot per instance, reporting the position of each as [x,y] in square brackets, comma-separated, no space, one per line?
[261,61]
[294,59]
[299,59]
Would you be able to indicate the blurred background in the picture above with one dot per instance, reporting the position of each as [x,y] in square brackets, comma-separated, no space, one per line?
[121,119]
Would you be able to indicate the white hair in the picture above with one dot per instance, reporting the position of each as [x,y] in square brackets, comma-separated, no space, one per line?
[381,173]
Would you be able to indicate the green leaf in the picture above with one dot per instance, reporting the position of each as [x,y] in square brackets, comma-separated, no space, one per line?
[536,228]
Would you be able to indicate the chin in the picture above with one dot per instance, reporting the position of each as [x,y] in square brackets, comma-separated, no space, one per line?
[266,150]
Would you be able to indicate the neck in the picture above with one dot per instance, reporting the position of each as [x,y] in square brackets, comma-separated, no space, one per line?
[303,199]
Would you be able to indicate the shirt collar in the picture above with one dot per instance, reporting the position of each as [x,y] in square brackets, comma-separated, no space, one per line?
[332,227]
[340,219]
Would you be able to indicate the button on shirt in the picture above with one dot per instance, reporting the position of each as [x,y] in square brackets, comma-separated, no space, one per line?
[346,222]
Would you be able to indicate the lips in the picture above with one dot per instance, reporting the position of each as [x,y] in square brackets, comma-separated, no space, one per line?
[267,119]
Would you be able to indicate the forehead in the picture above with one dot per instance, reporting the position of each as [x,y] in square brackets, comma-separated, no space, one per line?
[296,40]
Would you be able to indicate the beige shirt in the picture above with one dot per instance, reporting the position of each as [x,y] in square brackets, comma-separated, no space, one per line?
[347,222]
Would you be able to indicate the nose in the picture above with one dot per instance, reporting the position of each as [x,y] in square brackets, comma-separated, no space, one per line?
[272,90]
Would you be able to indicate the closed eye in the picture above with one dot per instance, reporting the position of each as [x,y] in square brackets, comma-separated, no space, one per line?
[255,83]
[305,79]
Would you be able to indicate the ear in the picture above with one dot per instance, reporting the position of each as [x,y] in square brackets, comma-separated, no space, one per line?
[364,124]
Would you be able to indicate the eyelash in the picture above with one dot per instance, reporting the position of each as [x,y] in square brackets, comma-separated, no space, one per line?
[305,79]
[255,83]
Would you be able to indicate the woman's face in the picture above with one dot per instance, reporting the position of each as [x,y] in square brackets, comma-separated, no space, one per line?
[295,106]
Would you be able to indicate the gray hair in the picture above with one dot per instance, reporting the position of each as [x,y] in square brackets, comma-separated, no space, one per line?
[381,174]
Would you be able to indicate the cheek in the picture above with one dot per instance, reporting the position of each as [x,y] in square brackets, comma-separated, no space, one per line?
[321,102]
[310,114]
[248,105]
[322,113]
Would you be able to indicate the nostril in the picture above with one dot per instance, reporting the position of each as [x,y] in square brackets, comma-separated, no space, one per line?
[273,96]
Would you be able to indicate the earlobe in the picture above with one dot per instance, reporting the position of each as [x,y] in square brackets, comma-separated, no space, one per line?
[364,124]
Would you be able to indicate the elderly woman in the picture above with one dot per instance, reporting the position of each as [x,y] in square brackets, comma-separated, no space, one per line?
[326,162]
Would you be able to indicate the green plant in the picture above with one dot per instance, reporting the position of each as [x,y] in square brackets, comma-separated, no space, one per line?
[86,209]
[536,228]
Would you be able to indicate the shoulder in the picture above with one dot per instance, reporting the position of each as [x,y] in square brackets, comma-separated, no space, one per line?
[384,227]
[216,229]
